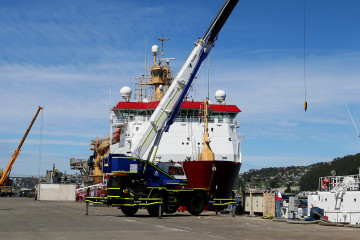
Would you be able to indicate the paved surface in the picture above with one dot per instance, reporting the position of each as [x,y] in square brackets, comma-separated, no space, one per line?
[23,218]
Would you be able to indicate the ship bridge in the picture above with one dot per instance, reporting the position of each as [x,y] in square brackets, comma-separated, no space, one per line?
[185,138]
[191,111]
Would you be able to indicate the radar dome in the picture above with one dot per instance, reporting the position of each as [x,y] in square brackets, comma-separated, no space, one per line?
[125,93]
[220,96]
[155,49]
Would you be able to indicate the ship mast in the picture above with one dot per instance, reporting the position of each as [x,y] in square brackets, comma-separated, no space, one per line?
[161,75]
[206,154]
[162,40]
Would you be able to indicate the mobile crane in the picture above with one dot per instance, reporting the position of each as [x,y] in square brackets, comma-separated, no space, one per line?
[5,185]
[135,181]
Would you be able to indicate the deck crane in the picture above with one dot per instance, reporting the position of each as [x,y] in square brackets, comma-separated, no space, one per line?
[135,181]
[4,180]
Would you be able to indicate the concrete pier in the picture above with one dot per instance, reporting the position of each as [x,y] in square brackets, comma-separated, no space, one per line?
[24,218]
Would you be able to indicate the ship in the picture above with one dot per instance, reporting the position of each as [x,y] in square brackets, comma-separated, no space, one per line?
[201,129]
[337,198]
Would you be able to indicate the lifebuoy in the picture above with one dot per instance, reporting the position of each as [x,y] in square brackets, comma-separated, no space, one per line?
[325,184]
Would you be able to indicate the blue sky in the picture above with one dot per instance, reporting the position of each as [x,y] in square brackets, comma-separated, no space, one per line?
[63,55]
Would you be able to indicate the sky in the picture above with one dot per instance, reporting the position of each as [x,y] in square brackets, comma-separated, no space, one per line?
[66,56]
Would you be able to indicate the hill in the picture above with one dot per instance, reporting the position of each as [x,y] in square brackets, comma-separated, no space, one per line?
[307,177]
[347,165]
[272,177]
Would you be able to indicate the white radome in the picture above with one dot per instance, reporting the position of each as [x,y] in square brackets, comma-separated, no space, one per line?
[155,49]
[125,93]
[220,96]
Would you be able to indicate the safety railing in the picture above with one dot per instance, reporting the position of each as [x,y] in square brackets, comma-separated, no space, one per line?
[334,183]
[124,120]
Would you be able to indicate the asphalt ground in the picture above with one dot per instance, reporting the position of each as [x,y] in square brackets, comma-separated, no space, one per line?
[24,218]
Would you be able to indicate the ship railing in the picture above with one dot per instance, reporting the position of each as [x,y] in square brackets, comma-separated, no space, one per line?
[124,120]
[117,121]
[210,120]
[336,183]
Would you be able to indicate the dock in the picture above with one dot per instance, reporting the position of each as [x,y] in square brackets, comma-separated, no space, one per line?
[25,218]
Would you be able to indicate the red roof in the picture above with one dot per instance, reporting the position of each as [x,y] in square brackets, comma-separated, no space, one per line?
[186,105]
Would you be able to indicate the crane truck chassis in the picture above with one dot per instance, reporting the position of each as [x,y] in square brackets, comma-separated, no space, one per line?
[138,183]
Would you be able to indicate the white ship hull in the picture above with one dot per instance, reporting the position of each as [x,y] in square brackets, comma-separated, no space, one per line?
[344,208]
[339,198]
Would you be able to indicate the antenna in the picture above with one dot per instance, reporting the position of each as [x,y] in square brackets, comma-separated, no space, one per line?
[352,120]
[110,89]
[146,57]
[162,39]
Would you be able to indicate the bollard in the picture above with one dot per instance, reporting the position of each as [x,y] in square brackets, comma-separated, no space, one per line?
[159,210]
[87,208]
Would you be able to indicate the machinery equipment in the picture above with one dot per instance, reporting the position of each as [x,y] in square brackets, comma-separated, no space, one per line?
[134,180]
[5,184]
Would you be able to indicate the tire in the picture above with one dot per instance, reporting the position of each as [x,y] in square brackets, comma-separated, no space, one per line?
[129,210]
[153,210]
[171,211]
[196,204]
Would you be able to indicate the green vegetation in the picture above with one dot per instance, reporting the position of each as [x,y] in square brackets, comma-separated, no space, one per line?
[307,177]
[347,165]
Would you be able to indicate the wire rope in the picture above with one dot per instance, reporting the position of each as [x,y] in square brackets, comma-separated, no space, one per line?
[305,103]
[40,141]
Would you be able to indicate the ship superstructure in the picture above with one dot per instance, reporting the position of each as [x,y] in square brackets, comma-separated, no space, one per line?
[184,141]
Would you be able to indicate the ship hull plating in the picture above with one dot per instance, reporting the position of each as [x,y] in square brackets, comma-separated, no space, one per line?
[218,176]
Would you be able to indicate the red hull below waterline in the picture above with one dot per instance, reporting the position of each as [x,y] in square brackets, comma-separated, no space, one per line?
[217,176]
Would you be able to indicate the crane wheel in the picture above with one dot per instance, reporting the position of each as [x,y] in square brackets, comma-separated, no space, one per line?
[173,210]
[196,204]
[129,210]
